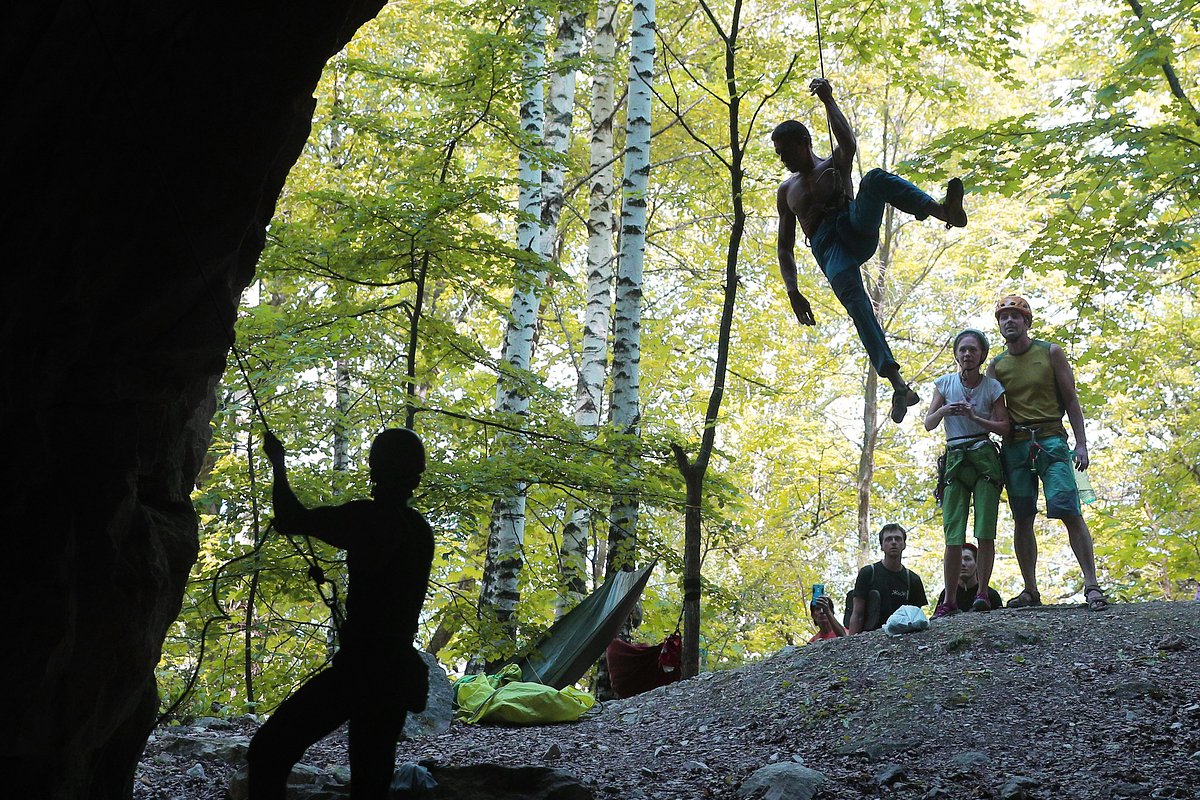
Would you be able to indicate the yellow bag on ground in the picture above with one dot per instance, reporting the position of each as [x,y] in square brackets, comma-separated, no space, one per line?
[504,697]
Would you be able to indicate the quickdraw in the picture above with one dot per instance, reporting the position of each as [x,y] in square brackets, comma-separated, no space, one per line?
[1035,447]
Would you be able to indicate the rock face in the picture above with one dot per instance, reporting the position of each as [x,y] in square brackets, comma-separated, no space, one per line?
[439,706]
[144,146]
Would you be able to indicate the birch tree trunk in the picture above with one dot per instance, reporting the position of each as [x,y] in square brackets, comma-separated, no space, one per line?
[876,286]
[559,117]
[627,348]
[341,432]
[500,591]
[589,390]
[341,464]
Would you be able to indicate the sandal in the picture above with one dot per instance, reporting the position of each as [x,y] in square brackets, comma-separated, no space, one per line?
[1099,603]
[981,603]
[1026,599]
[901,400]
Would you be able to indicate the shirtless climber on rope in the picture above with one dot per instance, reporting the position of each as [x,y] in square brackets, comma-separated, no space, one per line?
[843,232]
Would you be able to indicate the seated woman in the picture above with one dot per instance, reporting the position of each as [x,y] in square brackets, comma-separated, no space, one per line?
[968,581]
[828,626]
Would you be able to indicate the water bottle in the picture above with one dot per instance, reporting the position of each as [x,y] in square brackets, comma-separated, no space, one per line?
[1084,484]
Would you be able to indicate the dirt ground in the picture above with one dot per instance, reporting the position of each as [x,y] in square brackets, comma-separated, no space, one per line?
[1056,703]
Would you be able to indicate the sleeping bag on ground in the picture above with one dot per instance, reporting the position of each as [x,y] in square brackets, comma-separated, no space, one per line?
[505,698]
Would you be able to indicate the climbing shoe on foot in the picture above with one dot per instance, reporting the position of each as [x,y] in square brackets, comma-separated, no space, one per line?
[956,215]
[944,610]
[901,400]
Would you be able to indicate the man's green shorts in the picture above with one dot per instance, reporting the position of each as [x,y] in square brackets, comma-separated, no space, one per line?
[1055,471]
[971,475]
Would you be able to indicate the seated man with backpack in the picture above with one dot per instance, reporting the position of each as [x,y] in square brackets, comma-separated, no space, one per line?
[884,586]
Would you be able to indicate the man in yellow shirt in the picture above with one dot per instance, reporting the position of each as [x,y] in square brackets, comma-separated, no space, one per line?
[1040,387]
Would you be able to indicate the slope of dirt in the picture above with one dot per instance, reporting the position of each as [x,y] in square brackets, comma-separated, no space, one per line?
[1041,703]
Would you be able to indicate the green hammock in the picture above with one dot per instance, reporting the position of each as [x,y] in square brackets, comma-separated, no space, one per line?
[575,642]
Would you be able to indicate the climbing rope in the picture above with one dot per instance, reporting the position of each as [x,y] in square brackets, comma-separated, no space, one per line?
[820,44]
[821,60]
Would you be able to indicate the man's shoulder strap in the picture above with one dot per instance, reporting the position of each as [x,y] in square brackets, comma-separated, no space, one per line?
[907,577]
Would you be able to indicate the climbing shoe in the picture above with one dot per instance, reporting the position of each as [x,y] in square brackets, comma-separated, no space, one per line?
[956,215]
[901,400]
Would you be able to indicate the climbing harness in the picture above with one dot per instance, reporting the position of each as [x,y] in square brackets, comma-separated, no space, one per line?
[962,443]
[1035,446]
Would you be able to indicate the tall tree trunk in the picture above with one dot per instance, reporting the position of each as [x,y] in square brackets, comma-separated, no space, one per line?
[573,553]
[868,542]
[589,391]
[341,464]
[627,345]
[251,597]
[500,591]
[341,380]
[414,391]
[559,116]
[694,472]
[341,423]
[420,275]
[589,387]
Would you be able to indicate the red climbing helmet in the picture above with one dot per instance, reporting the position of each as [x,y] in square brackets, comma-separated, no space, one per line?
[1017,302]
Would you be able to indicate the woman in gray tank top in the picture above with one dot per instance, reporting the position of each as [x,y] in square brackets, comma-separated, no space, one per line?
[970,474]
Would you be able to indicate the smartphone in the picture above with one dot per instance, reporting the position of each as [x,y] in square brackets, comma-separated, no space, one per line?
[818,591]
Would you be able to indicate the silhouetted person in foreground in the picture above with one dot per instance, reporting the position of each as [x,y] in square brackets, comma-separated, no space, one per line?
[377,676]
[843,232]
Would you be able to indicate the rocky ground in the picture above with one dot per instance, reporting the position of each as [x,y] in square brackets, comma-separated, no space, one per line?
[1055,703]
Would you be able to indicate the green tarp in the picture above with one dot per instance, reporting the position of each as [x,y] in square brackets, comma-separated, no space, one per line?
[575,642]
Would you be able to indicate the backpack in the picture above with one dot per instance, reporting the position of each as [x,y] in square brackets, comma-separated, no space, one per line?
[871,619]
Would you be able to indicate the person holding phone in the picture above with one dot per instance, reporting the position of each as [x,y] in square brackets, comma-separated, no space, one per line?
[823,616]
